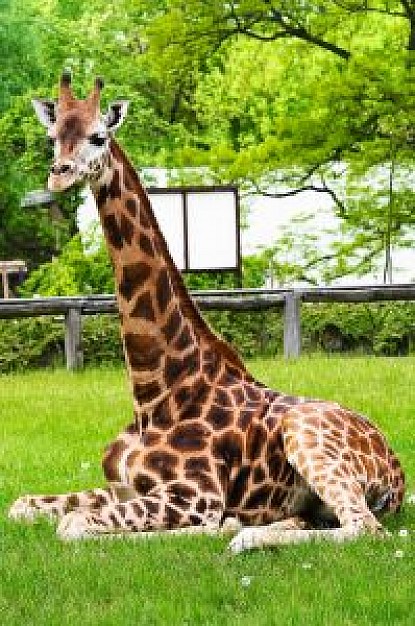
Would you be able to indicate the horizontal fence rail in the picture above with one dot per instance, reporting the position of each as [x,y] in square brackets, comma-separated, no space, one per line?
[73,308]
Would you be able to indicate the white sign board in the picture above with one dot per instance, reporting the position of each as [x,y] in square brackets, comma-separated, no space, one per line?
[201,226]
[168,209]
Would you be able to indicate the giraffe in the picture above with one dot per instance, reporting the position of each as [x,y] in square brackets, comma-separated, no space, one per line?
[207,441]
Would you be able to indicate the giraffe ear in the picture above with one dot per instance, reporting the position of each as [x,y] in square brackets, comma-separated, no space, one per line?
[116,114]
[46,111]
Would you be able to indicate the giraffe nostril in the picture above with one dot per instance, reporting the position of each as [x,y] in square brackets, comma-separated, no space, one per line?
[60,169]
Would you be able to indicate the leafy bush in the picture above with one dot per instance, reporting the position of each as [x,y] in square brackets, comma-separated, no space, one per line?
[382,329]
[253,333]
[27,343]
[101,340]
[40,342]
[83,267]
[386,328]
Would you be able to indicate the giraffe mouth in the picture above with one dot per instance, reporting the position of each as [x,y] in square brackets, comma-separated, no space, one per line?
[63,181]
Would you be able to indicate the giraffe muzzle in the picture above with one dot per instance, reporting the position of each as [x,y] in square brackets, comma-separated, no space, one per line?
[62,175]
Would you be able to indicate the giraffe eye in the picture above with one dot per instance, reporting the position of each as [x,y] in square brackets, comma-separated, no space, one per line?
[96,139]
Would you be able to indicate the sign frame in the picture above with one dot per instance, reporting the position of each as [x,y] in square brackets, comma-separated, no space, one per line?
[184,191]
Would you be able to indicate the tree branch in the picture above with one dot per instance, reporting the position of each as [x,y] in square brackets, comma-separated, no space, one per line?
[293,192]
[244,25]
[363,7]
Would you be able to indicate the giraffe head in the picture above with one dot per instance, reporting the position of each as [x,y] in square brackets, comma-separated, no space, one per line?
[80,133]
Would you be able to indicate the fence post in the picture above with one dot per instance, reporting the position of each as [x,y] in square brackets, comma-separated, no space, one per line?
[73,339]
[292,325]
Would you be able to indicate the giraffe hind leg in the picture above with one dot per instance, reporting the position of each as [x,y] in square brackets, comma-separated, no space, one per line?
[318,525]
[327,482]
[340,481]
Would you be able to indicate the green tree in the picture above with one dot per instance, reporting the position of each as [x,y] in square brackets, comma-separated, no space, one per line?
[303,96]
[276,96]
[40,39]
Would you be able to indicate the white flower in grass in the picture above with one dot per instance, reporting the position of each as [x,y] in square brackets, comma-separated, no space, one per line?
[398,554]
[246,581]
[306,565]
[404,532]
[85,465]
[411,498]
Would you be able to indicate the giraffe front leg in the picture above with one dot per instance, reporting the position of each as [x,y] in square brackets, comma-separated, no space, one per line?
[174,506]
[28,508]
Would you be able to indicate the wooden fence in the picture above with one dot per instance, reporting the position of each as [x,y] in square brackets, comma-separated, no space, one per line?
[290,300]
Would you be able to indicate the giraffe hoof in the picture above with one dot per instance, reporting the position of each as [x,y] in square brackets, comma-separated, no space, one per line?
[246,539]
[73,526]
[21,509]
[230,526]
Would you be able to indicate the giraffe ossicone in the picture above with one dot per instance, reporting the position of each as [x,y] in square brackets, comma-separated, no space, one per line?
[207,442]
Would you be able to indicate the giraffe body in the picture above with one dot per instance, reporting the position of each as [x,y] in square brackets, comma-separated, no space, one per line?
[208,442]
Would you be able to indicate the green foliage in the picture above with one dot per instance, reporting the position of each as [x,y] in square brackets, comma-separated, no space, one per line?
[276,97]
[18,50]
[30,343]
[381,329]
[39,342]
[101,341]
[40,39]
[82,268]
[287,96]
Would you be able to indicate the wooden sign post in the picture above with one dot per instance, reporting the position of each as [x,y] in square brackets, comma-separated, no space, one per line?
[7,268]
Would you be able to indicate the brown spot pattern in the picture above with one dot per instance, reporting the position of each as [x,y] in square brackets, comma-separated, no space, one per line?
[114,190]
[145,245]
[197,464]
[133,277]
[131,206]
[172,325]
[162,417]
[188,437]
[163,290]
[238,487]
[228,448]
[143,308]
[143,351]
[162,463]
[184,340]
[146,392]
[112,231]
[143,483]
[126,229]
[255,441]
[219,417]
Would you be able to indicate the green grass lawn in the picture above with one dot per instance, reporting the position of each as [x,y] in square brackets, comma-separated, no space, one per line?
[54,426]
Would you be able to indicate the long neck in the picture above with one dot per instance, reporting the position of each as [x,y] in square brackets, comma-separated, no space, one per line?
[161,328]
